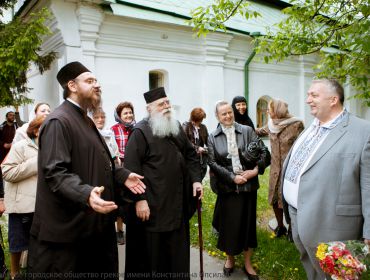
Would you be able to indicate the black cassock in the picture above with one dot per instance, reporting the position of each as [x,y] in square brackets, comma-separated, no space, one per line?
[68,239]
[159,248]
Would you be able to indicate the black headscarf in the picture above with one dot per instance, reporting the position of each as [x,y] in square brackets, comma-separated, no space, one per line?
[239,118]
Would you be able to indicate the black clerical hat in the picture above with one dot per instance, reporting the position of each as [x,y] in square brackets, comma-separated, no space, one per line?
[154,95]
[70,71]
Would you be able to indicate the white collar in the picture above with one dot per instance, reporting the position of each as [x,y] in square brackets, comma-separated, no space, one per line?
[329,123]
[73,102]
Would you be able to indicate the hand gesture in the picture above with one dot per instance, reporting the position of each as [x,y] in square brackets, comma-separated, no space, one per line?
[134,184]
[142,210]
[249,174]
[239,180]
[118,161]
[201,150]
[7,145]
[197,187]
[100,205]
[367,242]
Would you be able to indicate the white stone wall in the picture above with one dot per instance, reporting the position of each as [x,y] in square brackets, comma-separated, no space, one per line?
[199,71]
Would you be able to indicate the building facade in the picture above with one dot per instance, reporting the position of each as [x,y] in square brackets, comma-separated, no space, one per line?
[132,46]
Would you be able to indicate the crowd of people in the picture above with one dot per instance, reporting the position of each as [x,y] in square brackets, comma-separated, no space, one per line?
[70,183]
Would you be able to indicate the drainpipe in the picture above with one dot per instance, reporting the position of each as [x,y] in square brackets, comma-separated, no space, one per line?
[246,69]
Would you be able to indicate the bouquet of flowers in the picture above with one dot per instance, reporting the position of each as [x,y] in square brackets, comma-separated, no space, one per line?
[343,260]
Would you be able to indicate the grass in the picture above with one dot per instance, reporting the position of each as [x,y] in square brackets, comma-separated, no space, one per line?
[4,243]
[275,258]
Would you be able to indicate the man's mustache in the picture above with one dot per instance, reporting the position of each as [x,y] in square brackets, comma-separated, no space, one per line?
[166,111]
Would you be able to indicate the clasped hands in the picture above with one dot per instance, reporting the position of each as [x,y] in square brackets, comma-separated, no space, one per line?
[245,176]
[133,183]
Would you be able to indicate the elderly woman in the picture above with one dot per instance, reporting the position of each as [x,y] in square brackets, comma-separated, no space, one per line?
[99,119]
[197,134]
[283,129]
[20,176]
[236,157]
[239,105]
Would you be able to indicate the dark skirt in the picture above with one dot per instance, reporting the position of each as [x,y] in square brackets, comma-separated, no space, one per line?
[235,220]
[19,226]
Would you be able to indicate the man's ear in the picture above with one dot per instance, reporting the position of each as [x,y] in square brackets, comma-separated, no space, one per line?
[72,86]
[148,108]
[335,100]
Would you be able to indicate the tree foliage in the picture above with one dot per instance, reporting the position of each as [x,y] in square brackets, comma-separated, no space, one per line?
[213,17]
[20,46]
[336,30]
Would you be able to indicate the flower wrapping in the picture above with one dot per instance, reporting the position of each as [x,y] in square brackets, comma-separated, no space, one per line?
[343,260]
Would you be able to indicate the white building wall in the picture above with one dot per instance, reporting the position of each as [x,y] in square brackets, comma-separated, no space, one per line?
[199,71]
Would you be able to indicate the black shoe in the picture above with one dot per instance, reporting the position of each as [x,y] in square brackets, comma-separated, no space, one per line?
[280,231]
[121,237]
[250,276]
[228,270]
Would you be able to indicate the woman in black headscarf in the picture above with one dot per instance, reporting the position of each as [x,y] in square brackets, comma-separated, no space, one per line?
[239,106]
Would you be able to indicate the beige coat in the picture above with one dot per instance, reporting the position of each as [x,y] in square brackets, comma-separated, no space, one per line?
[280,146]
[20,177]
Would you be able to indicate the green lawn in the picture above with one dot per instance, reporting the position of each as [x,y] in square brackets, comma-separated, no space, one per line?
[4,241]
[275,258]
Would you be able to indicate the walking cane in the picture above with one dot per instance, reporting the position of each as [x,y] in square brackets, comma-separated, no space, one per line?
[199,210]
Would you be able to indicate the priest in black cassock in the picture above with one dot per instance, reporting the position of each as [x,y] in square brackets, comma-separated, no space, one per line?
[157,227]
[73,234]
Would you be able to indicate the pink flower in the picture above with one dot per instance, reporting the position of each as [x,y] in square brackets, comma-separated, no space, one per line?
[336,259]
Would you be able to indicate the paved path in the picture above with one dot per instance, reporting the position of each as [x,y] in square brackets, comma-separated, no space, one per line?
[212,266]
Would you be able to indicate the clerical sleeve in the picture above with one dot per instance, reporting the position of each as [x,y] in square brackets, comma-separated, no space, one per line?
[135,153]
[55,160]
[191,159]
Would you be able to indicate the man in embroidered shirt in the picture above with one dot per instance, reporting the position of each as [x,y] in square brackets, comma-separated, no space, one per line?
[326,186]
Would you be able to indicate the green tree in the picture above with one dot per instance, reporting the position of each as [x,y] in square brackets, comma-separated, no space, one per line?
[20,46]
[337,30]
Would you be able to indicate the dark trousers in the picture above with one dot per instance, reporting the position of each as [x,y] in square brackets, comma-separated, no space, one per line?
[93,258]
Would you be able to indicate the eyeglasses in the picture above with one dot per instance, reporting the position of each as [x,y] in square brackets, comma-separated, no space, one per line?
[163,103]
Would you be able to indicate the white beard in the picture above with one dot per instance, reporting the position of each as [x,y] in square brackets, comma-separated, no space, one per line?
[163,125]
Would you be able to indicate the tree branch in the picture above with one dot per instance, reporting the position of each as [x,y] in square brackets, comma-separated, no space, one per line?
[233,11]
[318,9]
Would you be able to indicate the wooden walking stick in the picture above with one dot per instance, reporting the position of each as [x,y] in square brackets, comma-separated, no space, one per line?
[199,210]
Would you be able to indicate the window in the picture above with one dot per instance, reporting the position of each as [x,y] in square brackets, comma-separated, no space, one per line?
[262,116]
[156,79]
